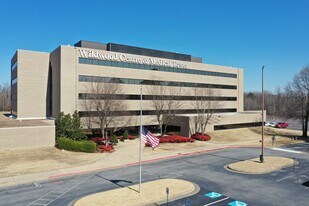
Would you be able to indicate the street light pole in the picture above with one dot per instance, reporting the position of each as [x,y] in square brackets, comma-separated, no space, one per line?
[262,146]
[167,193]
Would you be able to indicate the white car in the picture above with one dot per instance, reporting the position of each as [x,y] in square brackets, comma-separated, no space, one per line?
[270,124]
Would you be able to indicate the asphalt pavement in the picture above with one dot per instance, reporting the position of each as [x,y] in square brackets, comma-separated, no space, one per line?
[218,185]
[301,147]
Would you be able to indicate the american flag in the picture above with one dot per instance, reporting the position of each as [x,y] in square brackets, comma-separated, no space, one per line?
[148,137]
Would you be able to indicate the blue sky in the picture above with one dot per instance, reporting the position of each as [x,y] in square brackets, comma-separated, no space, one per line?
[238,33]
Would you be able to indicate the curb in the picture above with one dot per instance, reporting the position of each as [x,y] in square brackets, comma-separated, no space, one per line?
[178,197]
[228,168]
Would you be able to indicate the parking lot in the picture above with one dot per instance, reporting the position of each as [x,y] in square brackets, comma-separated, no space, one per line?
[293,123]
[218,185]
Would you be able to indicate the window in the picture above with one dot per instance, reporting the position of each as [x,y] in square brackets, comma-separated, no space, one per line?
[161,97]
[108,63]
[152,112]
[14,81]
[82,60]
[14,66]
[150,67]
[156,82]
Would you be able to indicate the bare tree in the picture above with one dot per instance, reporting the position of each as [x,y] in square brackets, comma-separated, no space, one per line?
[278,109]
[205,105]
[103,99]
[5,96]
[298,90]
[165,101]
[250,100]
[274,102]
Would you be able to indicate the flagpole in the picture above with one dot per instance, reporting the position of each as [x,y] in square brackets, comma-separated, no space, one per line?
[140,142]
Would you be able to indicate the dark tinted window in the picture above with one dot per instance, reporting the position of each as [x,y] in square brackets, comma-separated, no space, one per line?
[156,68]
[83,78]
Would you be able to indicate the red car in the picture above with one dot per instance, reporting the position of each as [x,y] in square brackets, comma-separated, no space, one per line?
[282,125]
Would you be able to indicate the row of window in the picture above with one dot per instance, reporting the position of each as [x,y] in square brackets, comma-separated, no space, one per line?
[152,67]
[14,66]
[83,78]
[152,97]
[150,112]
[14,81]
[235,126]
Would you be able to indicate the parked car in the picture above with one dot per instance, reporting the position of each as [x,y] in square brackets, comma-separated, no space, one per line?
[282,125]
[270,124]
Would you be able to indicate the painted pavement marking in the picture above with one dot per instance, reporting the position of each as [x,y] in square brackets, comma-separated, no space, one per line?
[286,150]
[60,191]
[37,184]
[237,203]
[217,201]
[213,195]
[291,176]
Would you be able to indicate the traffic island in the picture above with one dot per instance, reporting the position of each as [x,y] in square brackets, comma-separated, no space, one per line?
[254,166]
[152,193]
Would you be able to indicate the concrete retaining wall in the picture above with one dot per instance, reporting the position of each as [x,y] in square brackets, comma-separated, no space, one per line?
[25,137]
[187,122]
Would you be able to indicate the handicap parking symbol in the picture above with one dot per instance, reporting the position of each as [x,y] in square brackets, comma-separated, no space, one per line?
[213,195]
[237,203]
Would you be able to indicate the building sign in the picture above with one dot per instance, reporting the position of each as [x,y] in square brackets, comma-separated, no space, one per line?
[129,59]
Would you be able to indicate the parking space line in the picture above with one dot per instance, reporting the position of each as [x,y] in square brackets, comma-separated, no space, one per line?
[217,201]
[291,176]
[37,204]
[46,199]
[59,194]
[286,150]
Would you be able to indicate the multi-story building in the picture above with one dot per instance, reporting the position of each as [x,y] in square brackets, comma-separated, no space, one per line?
[45,84]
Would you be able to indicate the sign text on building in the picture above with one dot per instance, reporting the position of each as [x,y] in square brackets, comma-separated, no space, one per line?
[130,59]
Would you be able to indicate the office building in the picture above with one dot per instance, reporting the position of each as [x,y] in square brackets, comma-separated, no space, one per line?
[45,84]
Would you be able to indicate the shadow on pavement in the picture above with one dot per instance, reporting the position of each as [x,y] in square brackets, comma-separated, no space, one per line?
[117,182]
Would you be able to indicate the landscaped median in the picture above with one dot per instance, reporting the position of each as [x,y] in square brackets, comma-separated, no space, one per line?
[151,192]
[254,166]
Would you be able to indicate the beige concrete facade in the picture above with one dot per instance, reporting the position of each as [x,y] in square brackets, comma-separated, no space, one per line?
[23,137]
[50,83]
[253,118]
[31,88]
